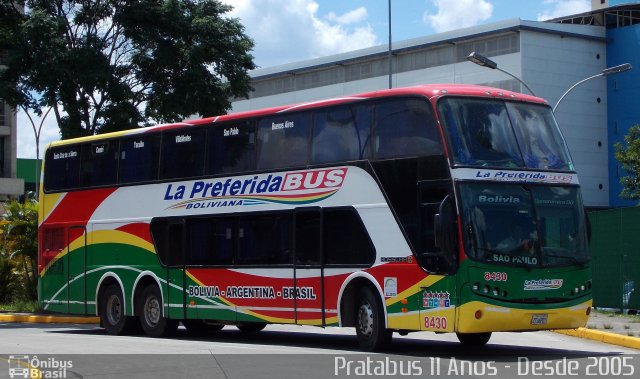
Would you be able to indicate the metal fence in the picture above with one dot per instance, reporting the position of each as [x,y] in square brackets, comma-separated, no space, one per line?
[615,252]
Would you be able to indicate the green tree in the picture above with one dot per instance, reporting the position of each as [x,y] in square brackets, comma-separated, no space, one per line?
[628,154]
[20,227]
[117,64]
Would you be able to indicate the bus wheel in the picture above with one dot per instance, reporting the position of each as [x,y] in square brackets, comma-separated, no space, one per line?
[474,339]
[370,325]
[253,327]
[150,311]
[112,312]
[201,327]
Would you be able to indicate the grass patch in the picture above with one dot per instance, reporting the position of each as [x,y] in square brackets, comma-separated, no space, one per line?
[592,326]
[21,306]
[627,327]
[630,334]
[607,326]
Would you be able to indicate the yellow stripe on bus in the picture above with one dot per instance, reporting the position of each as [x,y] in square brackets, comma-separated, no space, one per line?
[426,282]
[49,202]
[99,237]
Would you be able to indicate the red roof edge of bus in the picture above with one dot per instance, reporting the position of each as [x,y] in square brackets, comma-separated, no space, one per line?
[429,90]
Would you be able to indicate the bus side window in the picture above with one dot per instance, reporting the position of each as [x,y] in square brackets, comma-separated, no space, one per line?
[182,153]
[264,239]
[62,169]
[345,239]
[283,141]
[231,148]
[405,128]
[307,237]
[168,238]
[210,241]
[340,134]
[99,164]
[139,158]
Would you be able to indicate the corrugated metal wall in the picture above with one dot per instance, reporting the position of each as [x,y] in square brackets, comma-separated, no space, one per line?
[615,252]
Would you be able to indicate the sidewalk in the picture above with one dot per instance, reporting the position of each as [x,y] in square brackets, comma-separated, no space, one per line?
[613,328]
[616,329]
[47,318]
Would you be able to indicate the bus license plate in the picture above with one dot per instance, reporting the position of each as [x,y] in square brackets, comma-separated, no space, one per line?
[539,319]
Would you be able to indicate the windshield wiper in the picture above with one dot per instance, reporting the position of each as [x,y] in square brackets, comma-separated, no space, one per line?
[569,257]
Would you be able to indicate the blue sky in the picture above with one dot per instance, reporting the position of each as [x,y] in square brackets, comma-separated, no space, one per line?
[291,30]
[286,31]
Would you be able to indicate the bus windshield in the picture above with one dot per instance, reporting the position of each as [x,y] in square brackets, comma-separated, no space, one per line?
[524,225]
[502,134]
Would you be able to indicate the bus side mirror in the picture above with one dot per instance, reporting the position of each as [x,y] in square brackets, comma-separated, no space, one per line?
[445,232]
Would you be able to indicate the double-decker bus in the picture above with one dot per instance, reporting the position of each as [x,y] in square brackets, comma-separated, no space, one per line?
[445,208]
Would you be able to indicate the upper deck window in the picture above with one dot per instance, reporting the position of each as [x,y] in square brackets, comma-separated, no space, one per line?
[283,141]
[139,158]
[341,134]
[495,133]
[182,153]
[231,147]
[405,127]
[99,164]
[62,169]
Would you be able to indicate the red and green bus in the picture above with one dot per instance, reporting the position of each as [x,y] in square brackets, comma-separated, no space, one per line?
[444,208]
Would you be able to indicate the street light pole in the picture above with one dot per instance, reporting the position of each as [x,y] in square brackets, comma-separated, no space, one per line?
[389,56]
[607,71]
[483,61]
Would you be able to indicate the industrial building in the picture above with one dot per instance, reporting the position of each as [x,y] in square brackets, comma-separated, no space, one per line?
[549,56]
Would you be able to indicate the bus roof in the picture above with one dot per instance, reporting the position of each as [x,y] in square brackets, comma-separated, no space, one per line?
[428,90]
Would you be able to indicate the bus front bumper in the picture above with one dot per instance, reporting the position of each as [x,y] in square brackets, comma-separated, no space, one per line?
[479,317]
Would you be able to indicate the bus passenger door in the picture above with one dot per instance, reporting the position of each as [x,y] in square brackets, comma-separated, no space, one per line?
[438,300]
[308,274]
[76,270]
[175,291]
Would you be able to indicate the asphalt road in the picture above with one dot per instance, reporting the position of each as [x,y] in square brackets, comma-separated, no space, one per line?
[285,351]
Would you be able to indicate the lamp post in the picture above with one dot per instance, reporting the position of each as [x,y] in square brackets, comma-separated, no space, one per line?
[483,61]
[607,71]
[389,56]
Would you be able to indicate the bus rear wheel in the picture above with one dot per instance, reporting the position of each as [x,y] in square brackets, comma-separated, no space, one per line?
[112,316]
[474,339]
[150,311]
[370,324]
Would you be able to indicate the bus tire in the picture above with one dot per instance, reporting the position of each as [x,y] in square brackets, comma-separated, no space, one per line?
[112,316]
[252,327]
[150,311]
[370,323]
[474,339]
[201,327]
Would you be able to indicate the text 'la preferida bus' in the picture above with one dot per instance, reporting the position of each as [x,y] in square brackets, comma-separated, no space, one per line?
[445,208]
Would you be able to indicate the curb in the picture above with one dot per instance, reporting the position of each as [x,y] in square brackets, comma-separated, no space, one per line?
[48,319]
[596,335]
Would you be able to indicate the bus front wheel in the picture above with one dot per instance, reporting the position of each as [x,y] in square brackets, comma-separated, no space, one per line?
[112,315]
[370,323]
[474,339]
[150,311]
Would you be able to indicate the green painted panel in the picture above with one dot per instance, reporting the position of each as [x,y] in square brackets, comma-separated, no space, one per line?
[615,251]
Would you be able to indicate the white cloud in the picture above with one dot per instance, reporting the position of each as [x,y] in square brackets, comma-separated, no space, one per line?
[26,139]
[560,8]
[286,31]
[351,17]
[458,14]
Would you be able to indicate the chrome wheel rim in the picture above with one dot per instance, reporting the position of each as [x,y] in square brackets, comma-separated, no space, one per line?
[365,319]
[152,311]
[114,310]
